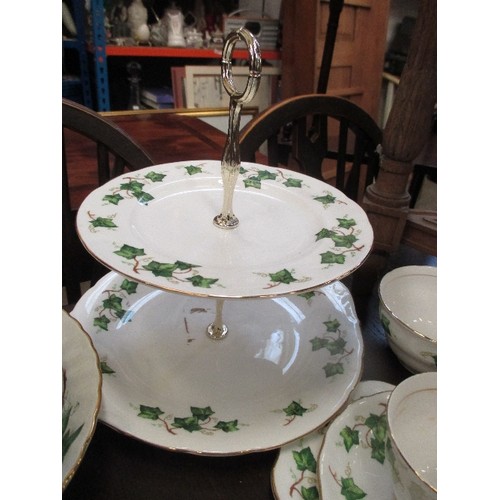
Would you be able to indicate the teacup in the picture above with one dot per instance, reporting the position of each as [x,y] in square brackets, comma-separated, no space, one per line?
[412,446]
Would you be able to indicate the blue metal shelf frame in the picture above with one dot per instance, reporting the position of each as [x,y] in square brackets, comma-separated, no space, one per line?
[81,46]
[100,62]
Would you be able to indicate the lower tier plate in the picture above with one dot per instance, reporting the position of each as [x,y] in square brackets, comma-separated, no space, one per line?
[286,367]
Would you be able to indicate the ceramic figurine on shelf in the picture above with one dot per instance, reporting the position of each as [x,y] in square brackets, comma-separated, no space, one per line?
[138,21]
[174,20]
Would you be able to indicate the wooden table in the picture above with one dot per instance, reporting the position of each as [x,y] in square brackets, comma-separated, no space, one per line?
[120,467]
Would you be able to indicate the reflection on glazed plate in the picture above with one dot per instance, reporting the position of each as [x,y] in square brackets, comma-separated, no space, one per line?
[294,474]
[81,395]
[353,461]
[287,365]
[155,226]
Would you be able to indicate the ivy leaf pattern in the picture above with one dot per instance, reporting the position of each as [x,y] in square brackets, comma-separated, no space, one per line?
[200,419]
[294,409]
[150,413]
[350,490]
[304,459]
[326,199]
[105,368]
[350,437]
[311,493]
[334,342]
[112,305]
[202,282]
[130,252]
[103,222]
[114,199]
[283,276]
[192,170]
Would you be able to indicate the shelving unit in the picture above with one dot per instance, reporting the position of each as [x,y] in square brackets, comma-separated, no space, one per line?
[79,44]
[101,51]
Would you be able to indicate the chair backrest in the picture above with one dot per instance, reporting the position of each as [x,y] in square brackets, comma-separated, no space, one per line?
[315,127]
[115,151]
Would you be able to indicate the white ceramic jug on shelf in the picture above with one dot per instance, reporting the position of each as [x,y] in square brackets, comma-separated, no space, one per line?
[174,20]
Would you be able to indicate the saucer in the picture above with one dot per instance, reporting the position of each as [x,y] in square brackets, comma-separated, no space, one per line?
[352,462]
[295,472]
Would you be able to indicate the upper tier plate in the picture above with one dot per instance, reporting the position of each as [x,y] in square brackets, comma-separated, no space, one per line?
[155,226]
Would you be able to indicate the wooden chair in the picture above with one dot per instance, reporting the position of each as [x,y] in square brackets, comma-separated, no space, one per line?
[115,152]
[315,127]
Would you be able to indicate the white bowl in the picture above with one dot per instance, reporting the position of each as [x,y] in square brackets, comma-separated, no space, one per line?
[408,312]
[412,424]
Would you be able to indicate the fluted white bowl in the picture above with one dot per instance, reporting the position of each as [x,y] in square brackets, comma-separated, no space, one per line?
[408,313]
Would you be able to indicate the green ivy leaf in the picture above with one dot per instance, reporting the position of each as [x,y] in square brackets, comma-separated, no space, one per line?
[143,197]
[332,369]
[265,174]
[294,409]
[332,325]
[129,252]
[253,182]
[190,424]
[113,302]
[311,493]
[307,295]
[378,450]
[202,413]
[192,169]
[243,170]
[133,186]
[326,200]
[231,426]
[129,286]
[350,437]
[304,459]
[378,425]
[102,322]
[283,276]
[155,176]
[332,258]
[350,490]
[184,266]
[149,412]
[103,222]
[163,269]
[324,233]
[344,240]
[114,199]
[105,368]
[346,223]
[295,183]
[202,282]
[318,343]
[336,346]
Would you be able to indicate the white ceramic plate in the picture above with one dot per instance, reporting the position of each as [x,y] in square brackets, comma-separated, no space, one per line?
[81,395]
[294,474]
[155,226]
[287,365]
[352,461]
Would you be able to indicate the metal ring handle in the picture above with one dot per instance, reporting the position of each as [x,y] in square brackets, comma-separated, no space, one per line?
[255,65]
